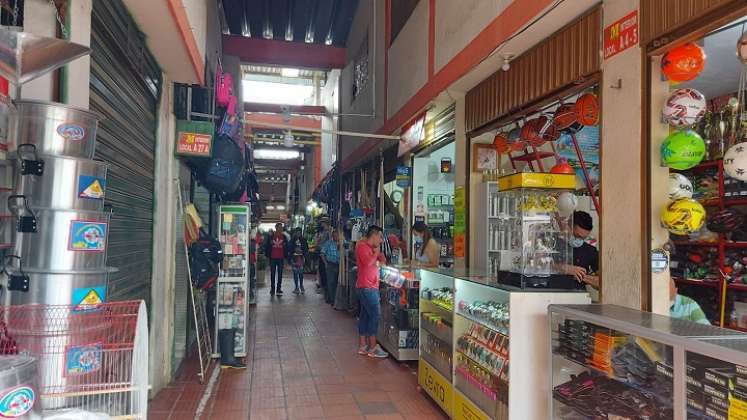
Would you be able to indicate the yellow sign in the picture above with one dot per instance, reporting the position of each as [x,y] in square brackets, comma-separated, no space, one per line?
[92,298]
[537,180]
[738,409]
[465,410]
[438,387]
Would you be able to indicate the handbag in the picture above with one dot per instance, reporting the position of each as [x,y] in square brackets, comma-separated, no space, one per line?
[223,86]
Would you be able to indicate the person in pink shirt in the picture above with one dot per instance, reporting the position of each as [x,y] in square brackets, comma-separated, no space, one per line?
[368,258]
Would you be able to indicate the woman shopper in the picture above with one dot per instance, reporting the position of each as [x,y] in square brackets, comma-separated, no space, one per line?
[299,251]
[369,258]
[428,251]
[330,255]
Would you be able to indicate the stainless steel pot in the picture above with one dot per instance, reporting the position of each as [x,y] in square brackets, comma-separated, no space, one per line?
[55,129]
[19,384]
[65,185]
[66,240]
[59,288]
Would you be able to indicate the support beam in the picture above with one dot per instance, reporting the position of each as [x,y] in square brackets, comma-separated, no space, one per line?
[282,53]
[278,109]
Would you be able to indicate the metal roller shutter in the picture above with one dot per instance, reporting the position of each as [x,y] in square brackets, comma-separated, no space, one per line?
[125,89]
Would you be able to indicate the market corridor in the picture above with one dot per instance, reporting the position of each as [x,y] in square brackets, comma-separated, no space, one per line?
[302,365]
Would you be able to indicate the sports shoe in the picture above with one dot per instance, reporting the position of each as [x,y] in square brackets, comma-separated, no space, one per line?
[363,350]
[272,292]
[279,293]
[296,291]
[378,353]
[303,290]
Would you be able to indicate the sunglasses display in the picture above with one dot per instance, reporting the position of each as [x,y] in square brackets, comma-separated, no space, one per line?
[494,314]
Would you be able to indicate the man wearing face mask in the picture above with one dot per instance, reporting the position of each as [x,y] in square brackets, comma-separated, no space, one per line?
[585,257]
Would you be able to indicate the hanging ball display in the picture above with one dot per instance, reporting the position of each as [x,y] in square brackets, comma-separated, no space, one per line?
[683,63]
[515,143]
[683,216]
[546,128]
[567,203]
[565,118]
[679,187]
[742,48]
[725,221]
[682,150]
[587,109]
[530,133]
[735,162]
[562,167]
[684,108]
[500,142]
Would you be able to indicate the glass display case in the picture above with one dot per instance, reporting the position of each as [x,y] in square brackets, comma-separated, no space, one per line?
[528,238]
[232,286]
[398,329]
[472,329]
[609,361]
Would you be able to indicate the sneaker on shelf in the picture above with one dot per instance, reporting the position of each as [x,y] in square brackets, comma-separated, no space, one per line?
[378,353]
[363,350]
[296,291]
[279,293]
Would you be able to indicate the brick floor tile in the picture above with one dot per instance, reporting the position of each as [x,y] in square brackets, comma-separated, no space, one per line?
[368,408]
[341,410]
[267,414]
[332,399]
[305,413]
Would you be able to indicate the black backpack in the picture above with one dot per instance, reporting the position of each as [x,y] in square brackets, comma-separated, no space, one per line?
[225,169]
[205,256]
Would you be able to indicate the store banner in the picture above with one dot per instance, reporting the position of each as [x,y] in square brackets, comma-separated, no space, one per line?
[404,176]
[194,138]
[412,136]
[460,222]
[621,35]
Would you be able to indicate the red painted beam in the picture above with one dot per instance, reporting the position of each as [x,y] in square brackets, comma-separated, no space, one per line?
[278,109]
[283,53]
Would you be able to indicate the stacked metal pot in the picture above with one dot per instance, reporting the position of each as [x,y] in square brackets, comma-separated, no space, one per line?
[60,223]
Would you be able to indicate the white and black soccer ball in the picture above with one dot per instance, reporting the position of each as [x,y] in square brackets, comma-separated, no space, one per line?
[684,108]
[679,187]
[735,162]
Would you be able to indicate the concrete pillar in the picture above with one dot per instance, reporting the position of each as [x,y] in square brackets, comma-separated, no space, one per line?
[621,165]
[78,72]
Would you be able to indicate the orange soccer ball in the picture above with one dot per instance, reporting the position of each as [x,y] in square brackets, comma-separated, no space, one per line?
[587,109]
[683,63]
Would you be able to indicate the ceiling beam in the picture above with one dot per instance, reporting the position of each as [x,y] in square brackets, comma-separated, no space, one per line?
[279,109]
[282,53]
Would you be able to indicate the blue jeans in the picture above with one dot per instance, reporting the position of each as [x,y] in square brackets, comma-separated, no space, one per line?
[368,320]
[298,276]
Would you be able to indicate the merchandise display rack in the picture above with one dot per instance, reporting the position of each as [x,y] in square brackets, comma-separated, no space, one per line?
[232,291]
[721,283]
[398,329]
[671,368]
[470,329]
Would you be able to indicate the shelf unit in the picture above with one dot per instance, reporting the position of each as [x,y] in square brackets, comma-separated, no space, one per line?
[494,360]
[722,202]
[398,329]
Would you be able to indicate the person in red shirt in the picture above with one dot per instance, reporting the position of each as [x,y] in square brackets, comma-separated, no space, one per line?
[276,248]
[368,258]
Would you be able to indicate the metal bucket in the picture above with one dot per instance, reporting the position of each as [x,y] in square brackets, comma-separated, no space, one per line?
[19,388]
[67,184]
[66,240]
[55,129]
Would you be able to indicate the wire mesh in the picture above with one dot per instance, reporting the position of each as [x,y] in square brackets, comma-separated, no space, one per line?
[90,357]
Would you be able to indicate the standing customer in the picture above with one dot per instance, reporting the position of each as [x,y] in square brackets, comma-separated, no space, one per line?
[322,236]
[369,258]
[330,254]
[299,250]
[428,251]
[276,247]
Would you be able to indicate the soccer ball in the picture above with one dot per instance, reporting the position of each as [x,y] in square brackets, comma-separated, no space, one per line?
[682,150]
[567,203]
[735,162]
[679,187]
[683,216]
[684,108]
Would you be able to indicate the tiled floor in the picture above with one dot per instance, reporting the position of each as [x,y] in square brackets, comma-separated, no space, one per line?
[302,365]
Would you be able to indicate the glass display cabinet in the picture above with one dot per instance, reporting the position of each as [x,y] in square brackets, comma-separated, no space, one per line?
[232,286]
[528,239]
[614,362]
[398,329]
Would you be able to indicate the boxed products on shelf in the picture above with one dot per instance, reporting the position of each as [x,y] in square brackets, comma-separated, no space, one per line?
[493,314]
[443,297]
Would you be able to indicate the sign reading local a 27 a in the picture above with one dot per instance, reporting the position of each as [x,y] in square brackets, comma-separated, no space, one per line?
[621,35]
[193,144]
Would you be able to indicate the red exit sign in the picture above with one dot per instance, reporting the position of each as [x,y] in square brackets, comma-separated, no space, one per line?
[621,35]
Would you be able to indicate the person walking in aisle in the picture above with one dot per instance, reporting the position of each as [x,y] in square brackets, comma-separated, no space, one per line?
[330,254]
[299,250]
[322,236]
[369,258]
[276,248]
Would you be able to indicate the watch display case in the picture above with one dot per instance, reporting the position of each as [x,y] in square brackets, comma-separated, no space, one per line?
[232,285]
[398,329]
[609,361]
[528,237]
[482,343]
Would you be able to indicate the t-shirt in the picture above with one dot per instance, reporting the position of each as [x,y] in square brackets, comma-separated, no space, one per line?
[330,252]
[277,246]
[687,309]
[368,270]
[586,256]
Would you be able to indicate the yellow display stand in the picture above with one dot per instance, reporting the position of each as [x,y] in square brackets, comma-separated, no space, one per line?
[465,410]
[537,180]
[438,387]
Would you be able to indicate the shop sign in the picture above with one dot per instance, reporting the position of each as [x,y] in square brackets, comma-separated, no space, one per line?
[621,35]
[87,236]
[412,136]
[460,223]
[194,144]
[403,176]
[465,410]
[436,386]
[83,359]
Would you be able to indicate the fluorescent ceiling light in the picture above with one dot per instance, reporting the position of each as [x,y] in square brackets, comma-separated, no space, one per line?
[270,207]
[280,207]
[286,72]
[276,154]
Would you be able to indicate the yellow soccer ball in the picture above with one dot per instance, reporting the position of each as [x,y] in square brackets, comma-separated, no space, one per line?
[683,216]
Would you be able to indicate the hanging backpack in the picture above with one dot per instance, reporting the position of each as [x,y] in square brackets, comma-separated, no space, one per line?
[223,87]
[225,170]
[205,254]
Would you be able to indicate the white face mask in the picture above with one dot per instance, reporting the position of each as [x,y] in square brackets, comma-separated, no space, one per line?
[417,239]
